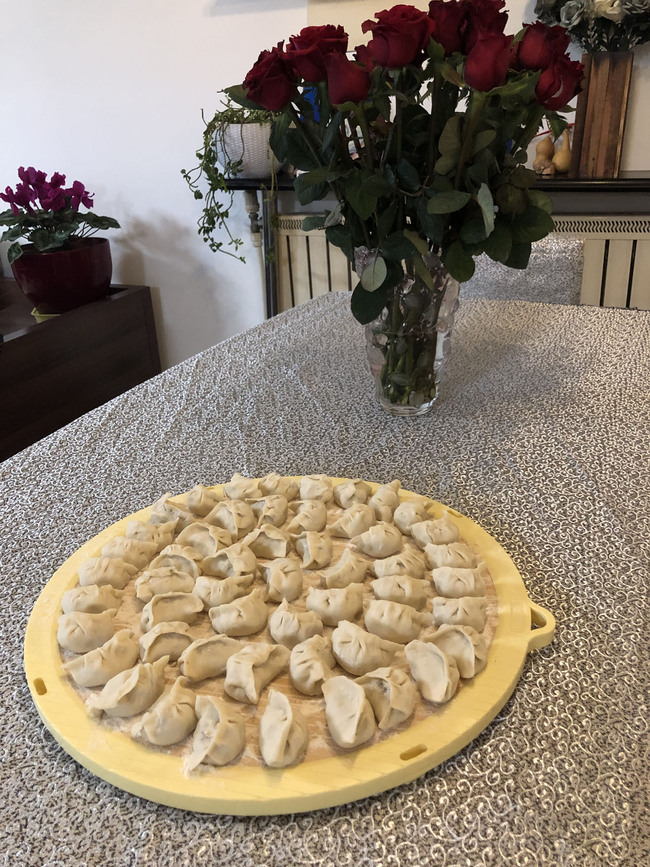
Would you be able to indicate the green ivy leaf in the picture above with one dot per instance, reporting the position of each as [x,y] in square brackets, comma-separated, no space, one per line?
[459,262]
[448,202]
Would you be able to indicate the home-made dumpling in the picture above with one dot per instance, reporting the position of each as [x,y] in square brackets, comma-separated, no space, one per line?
[392,695]
[382,540]
[80,632]
[243,616]
[358,651]
[171,718]
[283,733]
[385,500]
[201,500]
[238,559]
[242,488]
[455,554]
[437,531]
[463,644]
[309,515]
[394,621]
[276,484]
[233,516]
[249,670]
[207,657]
[165,639]
[401,588]
[178,557]
[170,606]
[219,591]
[268,542]
[164,510]
[98,666]
[164,579]
[132,551]
[317,487]
[466,611]
[289,627]
[205,538]
[161,534]
[106,570]
[311,663]
[271,509]
[350,568]
[336,604]
[454,583]
[219,736]
[435,673]
[351,491]
[409,513]
[315,549]
[130,691]
[348,712]
[92,598]
[409,561]
[354,521]
[284,579]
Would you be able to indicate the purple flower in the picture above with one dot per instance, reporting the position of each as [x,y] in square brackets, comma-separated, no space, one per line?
[79,195]
[32,177]
[52,198]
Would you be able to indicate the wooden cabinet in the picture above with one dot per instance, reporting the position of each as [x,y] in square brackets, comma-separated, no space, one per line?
[54,371]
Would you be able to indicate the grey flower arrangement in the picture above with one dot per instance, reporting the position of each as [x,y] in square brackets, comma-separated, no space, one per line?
[599,25]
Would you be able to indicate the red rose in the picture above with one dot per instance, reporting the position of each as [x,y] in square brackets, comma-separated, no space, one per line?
[488,61]
[307,50]
[483,16]
[448,20]
[398,35]
[270,82]
[347,81]
[539,46]
[559,83]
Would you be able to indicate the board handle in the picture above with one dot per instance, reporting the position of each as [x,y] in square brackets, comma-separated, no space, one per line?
[544,624]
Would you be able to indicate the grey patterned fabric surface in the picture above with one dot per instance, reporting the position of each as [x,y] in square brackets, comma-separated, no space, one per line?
[540,435]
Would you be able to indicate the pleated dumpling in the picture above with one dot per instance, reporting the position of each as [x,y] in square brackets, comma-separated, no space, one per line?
[170,606]
[315,549]
[409,561]
[385,500]
[271,509]
[453,582]
[392,695]
[164,579]
[437,531]
[201,500]
[350,568]
[466,611]
[273,483]
[408,513]
[317,487]
[401,588]
[283,734]
[207,657]
[204,538]
[455,554]
[242,488]
[381,540]
[91,598]
[171,718]
[219,591]
[165,639]
[80,632]
[243,616]
[435,673]
[464,644]
[311,663]
[336,604]
[106,571]
[233,516]
[238,559]
[284,579]
[98,666]
[130,691]
[394,621]
[354,521]
[358,651]
[308,515]
[251,669]
[160,534]
[349,715]
[179,557]
[165,509]
[138,554]
[219,736]
[268,542]
[289,626]
[351,491]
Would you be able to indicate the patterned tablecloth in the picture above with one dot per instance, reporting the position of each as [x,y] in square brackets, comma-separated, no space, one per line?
[540,435]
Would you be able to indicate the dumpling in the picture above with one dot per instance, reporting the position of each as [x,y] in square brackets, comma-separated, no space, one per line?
[171,718]
[401,588]
[170,606]
[455,554]
[271,509]
[220,591]
[106,570]
[234,516]
[238,559]
[435,673]
[464,645]
[130,691]
[392,695]
[354,521]
[161,534]
[207,657]
[317,487]
[348,712]
[164,510]
[205,538]
[358,651]
[385,500]
[249,670]
[242,488]
[98,666]
[382,540]
[438,531]
[132,551]
[454,583]
[219,736]
[290,627]
[409,561]
[351,491]
[283,733]
[268,542]
[80,632]
[201,500]
[394,621]
[92,598]
[178,557]
[243,616]
[466,611]
[276,484]
[315,549]
[409,513]
[351,568]
[163,579]
[309,515]
[284,579]
[336,604]
[165,639]
[311,663]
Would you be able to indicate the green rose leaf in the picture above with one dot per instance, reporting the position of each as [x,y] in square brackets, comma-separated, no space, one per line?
[532,225]
[459,262]
[397,246]
[339,237]
[473,230]
[522,177]
[374,274]
[366,306]
[499,244]
[446,164]
[540,200]
[315,222]
[486,202]
[483,140]
[409,177]
[519,256]
[361,201]
[450,138]
[448,202]
[510,200]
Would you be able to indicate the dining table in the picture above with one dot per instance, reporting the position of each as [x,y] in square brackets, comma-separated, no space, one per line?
[539,435]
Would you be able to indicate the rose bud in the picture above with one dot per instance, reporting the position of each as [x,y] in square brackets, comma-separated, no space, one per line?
[398,35]
[539,46]
[448,20]
[306,51]
[559,83]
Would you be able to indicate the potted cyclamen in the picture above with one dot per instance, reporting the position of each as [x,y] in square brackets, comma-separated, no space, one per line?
[61,267]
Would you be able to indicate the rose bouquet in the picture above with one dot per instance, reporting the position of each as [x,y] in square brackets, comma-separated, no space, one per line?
[46,213]
[421,137]
[599,25]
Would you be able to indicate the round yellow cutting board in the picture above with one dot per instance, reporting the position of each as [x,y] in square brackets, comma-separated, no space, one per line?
[247,790]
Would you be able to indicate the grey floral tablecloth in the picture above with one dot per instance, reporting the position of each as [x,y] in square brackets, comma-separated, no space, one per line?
[540,435]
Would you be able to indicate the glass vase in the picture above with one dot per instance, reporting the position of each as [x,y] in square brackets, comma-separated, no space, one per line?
[408,343]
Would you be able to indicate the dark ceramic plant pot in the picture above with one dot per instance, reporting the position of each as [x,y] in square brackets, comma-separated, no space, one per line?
[64,279]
